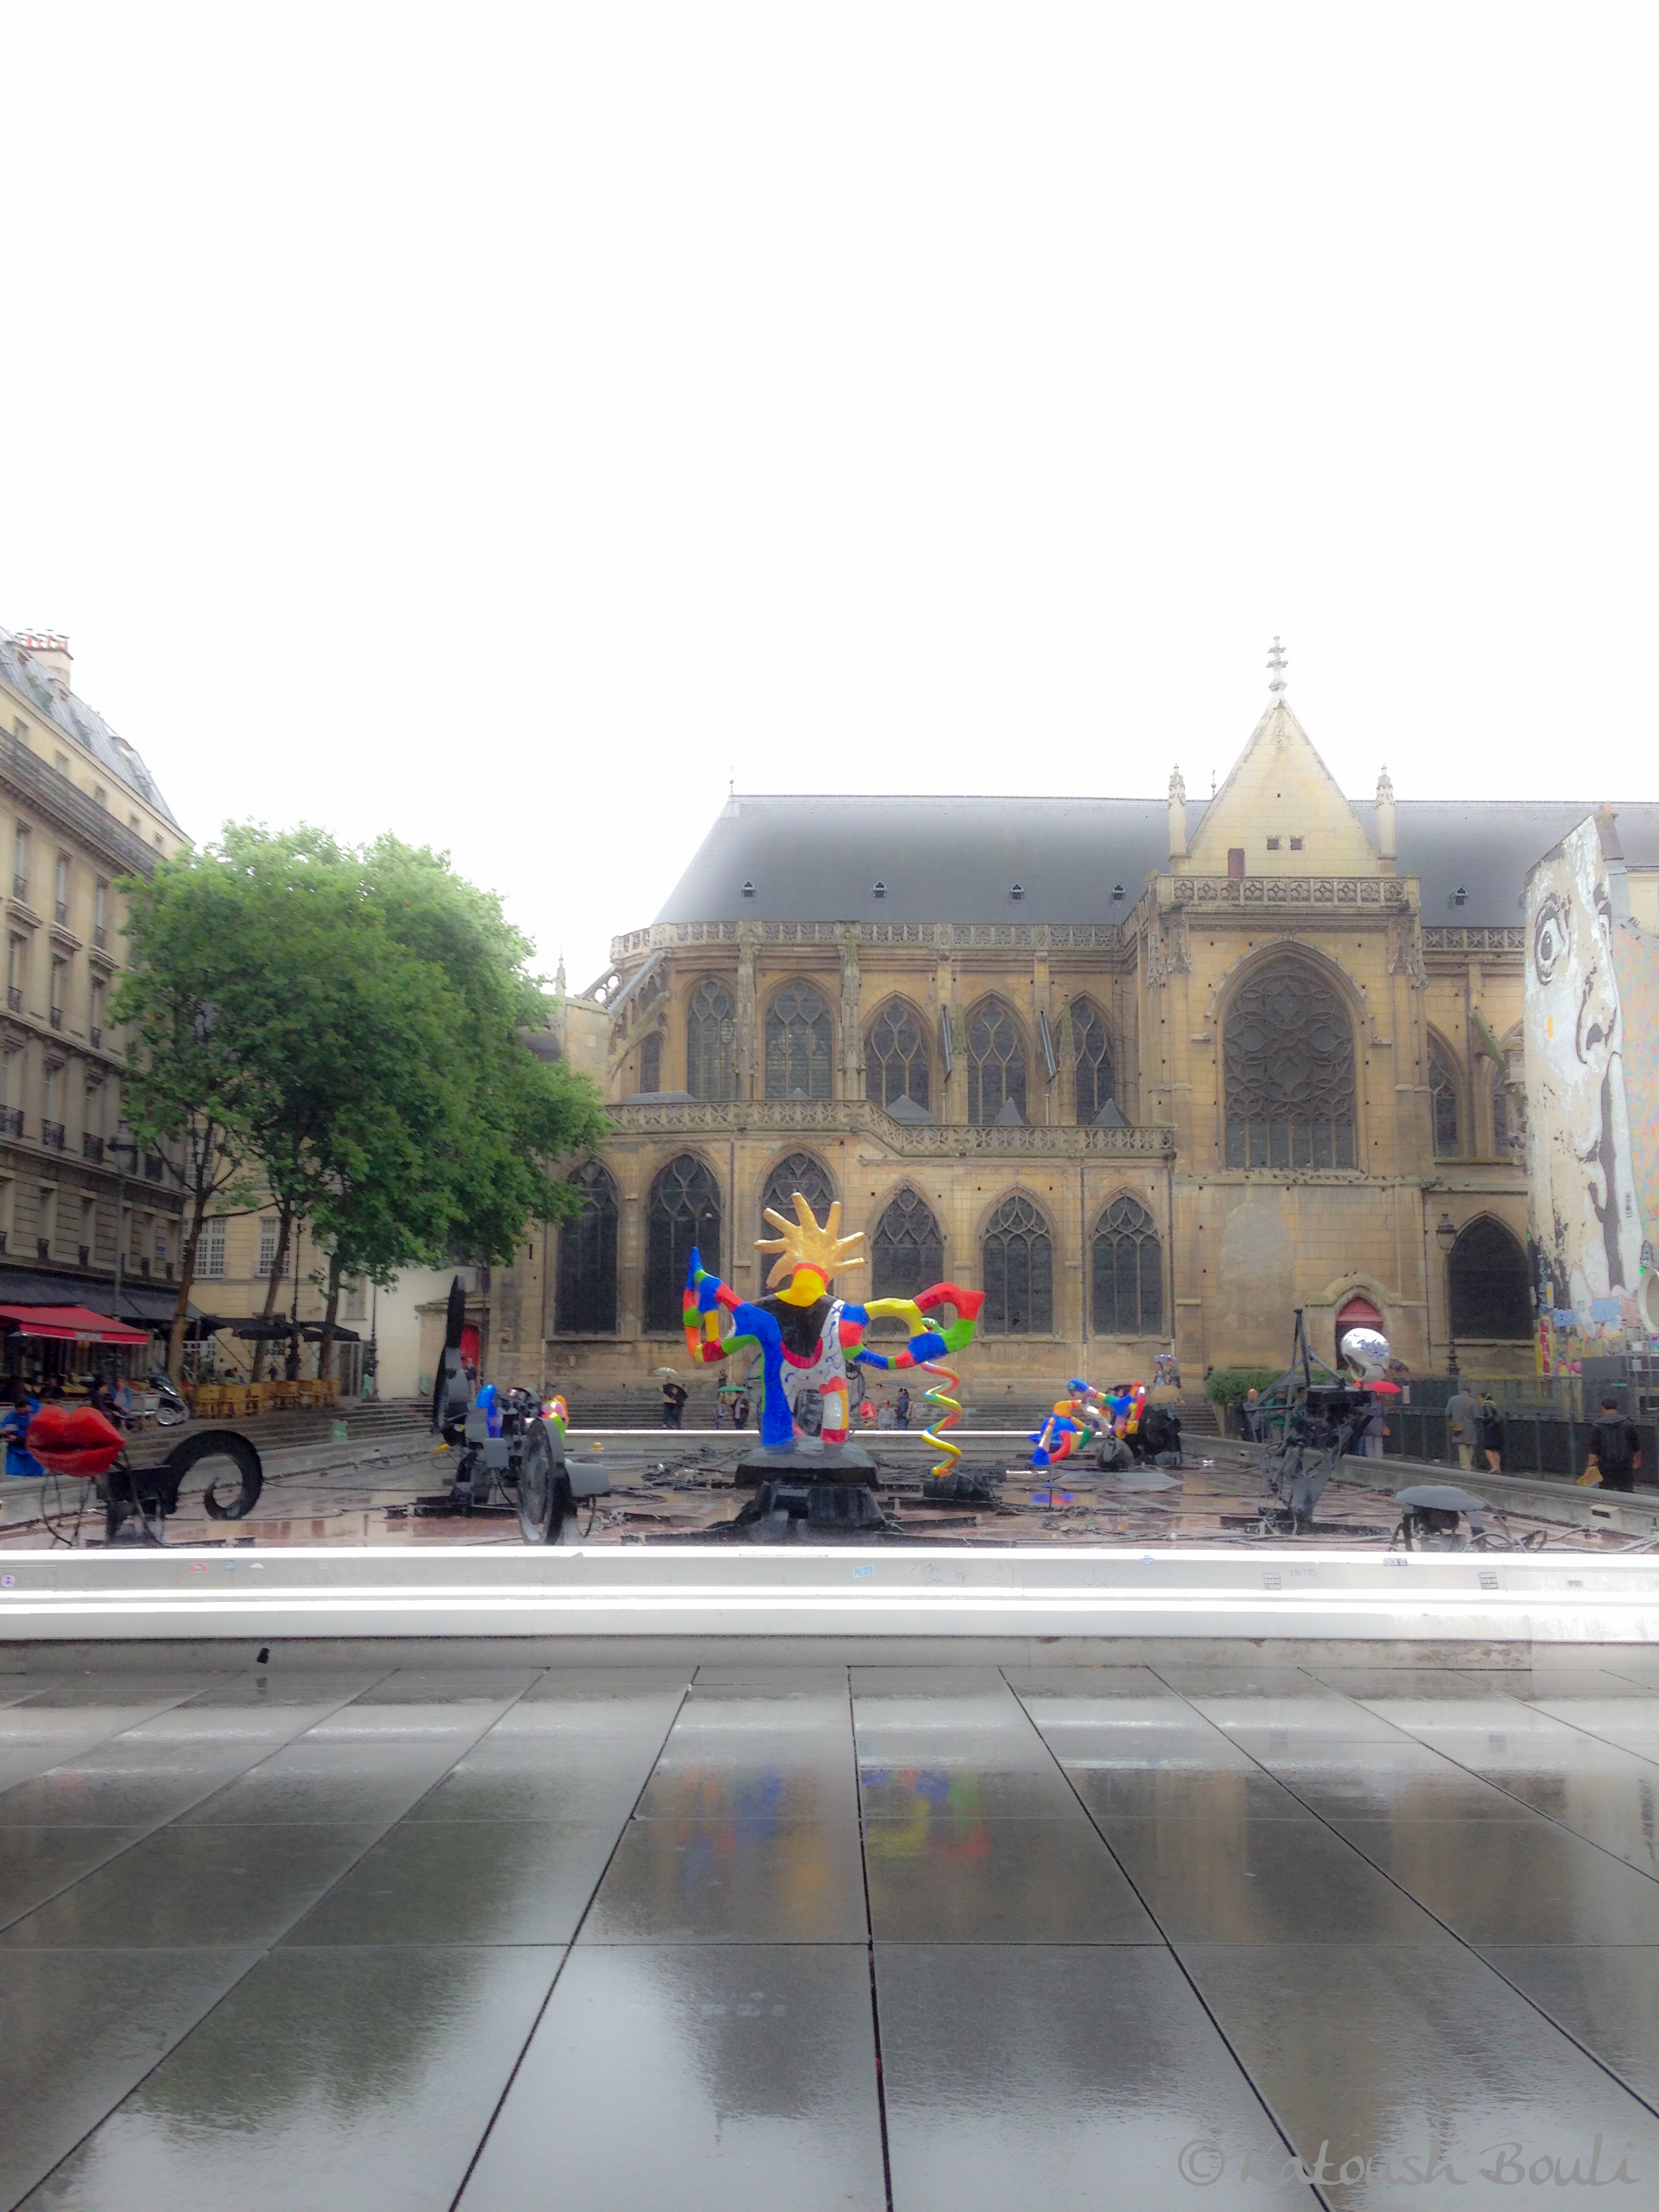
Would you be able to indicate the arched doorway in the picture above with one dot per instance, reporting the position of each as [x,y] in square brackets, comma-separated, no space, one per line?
[1491,1290]
[1357,1313]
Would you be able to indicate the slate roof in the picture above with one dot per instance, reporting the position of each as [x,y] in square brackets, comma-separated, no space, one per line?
[85,725]
[957,860]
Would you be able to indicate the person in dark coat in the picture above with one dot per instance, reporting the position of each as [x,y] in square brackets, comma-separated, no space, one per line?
[1616,1452]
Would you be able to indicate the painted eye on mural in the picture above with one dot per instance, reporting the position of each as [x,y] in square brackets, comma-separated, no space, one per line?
[1549,937]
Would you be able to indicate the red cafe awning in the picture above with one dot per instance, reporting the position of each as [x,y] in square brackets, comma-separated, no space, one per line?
[71,1325]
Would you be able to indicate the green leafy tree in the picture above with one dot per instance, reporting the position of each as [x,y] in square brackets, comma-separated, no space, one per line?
[359,1015]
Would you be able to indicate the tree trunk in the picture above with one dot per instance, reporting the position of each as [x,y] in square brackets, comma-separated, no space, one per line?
[330,1312]
[279,1269]
[186,1281]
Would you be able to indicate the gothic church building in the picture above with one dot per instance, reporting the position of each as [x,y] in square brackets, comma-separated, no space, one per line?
[1147,1072]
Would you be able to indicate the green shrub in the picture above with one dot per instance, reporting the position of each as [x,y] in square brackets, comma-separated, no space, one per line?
[1229,1386]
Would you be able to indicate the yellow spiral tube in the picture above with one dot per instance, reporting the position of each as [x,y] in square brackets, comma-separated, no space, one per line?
[947,1418]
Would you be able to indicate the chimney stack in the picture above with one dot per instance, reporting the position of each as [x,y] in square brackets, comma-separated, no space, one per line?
[51,654]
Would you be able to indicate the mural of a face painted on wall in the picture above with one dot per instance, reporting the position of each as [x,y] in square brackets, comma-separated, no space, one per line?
[1585,1218]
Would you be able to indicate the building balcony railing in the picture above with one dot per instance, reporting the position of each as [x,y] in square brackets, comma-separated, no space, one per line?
[20,888]
[860,1116]
[14,998]
[92,1148]
[95,1037]
[1024,936]
[100,936]
[51,1136]
[11,1121]
[71,805]
[60,913]
[55,1016]
[43,1248]
[1380,892]
[1501,937]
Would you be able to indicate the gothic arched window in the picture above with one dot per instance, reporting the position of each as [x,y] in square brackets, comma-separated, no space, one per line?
[1096,1082]
[1491,1290]
[711,1031]
[651,1062]
[908,1250]
[1289,1046]
[584,1302]
[1018,1269]
[996,1062]
[1128,1272]
[805,1173]
[683,1212]
[895,1056]
[1443,1097]
[798,1044]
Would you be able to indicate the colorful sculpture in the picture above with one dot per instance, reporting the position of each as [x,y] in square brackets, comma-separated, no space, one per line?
[810,1340]
[1075,1422]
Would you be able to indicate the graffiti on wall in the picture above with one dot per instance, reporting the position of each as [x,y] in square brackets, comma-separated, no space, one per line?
[1592,1076]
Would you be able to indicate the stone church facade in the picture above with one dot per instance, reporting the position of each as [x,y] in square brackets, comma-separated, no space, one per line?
[1147,1072]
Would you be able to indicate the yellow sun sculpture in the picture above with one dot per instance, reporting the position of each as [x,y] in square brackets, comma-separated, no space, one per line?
[809,1256]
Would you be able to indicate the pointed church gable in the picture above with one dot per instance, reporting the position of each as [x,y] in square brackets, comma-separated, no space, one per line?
[1280,788]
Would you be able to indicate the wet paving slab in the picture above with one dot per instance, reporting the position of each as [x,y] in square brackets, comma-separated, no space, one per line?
[500,1935]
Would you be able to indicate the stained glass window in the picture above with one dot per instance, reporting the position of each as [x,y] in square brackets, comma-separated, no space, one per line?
[1443,1096]
[908,1250]
[996,1061]
[684,1210]
[798,1044]
[711,1029]
[651,1062]
[584,1302]
[1096,1083]
[1018,1272]
[895,1059]
[803,1172]
[1289,1046]
[1128,1272]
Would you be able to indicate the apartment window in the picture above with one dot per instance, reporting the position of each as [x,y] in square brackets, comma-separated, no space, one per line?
[209,1253]
[356,1302]
[8,1192]
[97,1012]
[16,962]
[1295,844]
[89,1229]
[60,889]
[99,915]
[59,972]
[46,1220]
[19,863]
[1273,844]
[269,1232]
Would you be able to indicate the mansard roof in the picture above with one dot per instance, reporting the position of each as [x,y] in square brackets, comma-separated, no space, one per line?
[818,859]
[84,724]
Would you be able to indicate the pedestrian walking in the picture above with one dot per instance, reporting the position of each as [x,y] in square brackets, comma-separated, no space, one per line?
[1375,1429]
[1249,1418]
[1615,1451]
[1491,1433]
[1463,1422]
[674,1396]
[901,1411]
[740,1410]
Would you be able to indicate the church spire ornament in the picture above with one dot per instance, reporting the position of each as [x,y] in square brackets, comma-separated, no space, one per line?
[1277,658]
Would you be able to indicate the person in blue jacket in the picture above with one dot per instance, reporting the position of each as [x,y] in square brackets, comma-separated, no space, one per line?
[15,1428]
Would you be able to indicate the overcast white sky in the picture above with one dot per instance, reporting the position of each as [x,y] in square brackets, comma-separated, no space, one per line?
[504,424]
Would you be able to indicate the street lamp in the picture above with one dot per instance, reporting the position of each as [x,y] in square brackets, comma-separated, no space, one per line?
[1446,1235]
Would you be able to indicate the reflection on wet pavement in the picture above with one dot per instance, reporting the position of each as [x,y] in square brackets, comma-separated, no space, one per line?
[501,1934]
